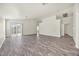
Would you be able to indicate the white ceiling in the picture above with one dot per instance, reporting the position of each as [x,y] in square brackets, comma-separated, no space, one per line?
[31,10]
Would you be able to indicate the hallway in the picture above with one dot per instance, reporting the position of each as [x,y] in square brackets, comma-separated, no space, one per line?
[46,46]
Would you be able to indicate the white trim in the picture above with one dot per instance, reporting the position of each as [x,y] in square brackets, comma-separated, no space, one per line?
[51,35]
[2,41]
[29,34]
[76,46]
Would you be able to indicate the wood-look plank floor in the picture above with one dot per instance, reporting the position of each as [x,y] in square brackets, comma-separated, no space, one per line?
[44,46]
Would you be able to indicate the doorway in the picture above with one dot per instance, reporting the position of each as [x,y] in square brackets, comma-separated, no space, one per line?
[16,29]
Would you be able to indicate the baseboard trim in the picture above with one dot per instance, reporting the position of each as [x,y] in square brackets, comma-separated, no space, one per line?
[50,35]
[68,35]
[29,34]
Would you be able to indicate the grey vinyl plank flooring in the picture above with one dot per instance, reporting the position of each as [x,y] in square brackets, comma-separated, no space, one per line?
[44,46]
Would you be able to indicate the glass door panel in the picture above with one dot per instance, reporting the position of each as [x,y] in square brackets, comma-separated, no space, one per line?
[16,29]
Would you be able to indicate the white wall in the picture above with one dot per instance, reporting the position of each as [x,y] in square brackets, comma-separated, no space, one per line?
[67,22]
[2,31]
[68,25]
[62,30]
[29,27]
[50,26]
[76,24]
[69,29]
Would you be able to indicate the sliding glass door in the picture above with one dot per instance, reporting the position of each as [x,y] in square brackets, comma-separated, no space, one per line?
[16,29]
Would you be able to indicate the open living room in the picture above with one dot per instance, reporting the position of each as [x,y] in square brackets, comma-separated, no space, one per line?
[39,29]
